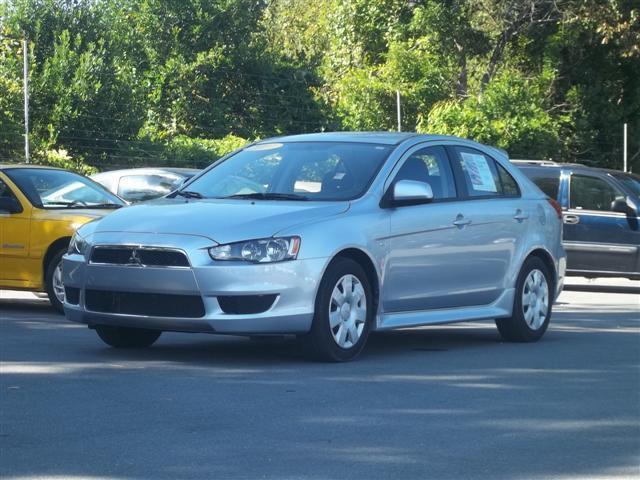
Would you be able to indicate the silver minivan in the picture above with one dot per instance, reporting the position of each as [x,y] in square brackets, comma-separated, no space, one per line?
[326,236]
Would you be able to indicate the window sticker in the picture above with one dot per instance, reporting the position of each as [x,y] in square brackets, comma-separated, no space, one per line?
[479,172]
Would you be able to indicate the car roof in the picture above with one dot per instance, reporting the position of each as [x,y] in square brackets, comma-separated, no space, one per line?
[387,138]
[150,171]
[4,166]
[576,167]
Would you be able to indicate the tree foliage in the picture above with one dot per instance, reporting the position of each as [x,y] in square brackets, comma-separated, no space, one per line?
[129,82]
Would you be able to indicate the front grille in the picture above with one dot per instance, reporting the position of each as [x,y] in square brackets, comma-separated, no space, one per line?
[246,304]
[139,256]
[147,304]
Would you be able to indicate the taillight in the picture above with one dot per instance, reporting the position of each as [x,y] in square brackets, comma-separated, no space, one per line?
[556,206]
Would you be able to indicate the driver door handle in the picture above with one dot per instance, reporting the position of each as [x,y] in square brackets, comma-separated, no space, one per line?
[520,216]
[460,221]
[571,219]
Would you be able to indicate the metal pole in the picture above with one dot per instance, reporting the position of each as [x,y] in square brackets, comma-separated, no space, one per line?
[624,149]
[26,99]
[398,108]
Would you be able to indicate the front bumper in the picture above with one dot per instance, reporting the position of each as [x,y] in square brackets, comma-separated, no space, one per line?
[293,283]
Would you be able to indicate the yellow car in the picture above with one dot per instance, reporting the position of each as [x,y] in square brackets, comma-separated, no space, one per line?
[40,208]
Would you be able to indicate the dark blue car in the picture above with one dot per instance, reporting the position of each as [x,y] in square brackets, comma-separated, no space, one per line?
[600,214]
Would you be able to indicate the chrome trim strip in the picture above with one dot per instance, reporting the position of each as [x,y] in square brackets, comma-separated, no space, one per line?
[599,247]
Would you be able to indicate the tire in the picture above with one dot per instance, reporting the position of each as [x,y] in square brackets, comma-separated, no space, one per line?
[51,284]
[127,337]
[352,321]
[531,312]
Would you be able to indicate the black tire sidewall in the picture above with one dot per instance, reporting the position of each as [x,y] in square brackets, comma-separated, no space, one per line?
[48,280]
[322,343]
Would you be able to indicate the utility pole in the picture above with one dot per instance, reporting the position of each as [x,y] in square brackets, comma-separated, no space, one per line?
[624,149]
[26,98]
[398,110]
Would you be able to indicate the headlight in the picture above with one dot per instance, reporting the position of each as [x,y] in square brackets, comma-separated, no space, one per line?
[266,250]
[78,245]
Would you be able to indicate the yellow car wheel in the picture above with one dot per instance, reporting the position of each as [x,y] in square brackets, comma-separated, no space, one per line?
[53,281]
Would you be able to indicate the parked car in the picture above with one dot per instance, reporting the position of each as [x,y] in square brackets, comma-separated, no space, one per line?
[40,208]
[600,214]
[139,184]
[327,236]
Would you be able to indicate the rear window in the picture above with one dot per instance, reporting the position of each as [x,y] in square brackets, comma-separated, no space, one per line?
[547,180]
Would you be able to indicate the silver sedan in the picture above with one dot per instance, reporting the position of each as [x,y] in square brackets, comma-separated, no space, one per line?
[328,237]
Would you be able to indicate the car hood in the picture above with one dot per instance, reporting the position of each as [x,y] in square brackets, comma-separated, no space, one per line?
[222,221]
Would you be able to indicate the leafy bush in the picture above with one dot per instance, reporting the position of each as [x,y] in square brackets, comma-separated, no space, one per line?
[199,152]
[62,159]
[512,113]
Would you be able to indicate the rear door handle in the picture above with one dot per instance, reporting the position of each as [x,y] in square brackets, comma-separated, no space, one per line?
[571,219]
[460,221]
[520,216]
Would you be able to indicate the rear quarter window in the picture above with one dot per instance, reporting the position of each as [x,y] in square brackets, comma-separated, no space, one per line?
[547,180]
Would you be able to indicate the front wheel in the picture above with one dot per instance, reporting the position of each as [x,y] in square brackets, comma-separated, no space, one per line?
[532,305]
[343,313]
[127,337]
[53,281]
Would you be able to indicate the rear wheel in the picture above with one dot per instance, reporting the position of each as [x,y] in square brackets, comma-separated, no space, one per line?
[532,305]
[127,337]
[343,313]
[53,281]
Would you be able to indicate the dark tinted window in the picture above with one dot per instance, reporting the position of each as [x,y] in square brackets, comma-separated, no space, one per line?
[509,185]
[430,165]
[547,179]
[483,176]
[5,191]
[591,193]
[630,180]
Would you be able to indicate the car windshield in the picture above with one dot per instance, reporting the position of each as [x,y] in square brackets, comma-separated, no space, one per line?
[293,171]
[49,188]
[631,181]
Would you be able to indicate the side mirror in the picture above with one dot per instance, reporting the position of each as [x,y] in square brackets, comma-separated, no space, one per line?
[621,205]
[10,205]
[410,192]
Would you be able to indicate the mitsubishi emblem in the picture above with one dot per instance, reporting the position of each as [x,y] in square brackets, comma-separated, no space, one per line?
[134,259]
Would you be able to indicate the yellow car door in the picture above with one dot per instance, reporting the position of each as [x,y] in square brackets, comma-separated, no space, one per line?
[15,230]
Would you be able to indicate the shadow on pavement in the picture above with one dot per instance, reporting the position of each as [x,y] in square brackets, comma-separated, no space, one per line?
[437,402]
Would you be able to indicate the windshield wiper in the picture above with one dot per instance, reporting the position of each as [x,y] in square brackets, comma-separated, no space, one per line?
[104,205]
[66,204]
[81,205]
[188,194]
[268,196]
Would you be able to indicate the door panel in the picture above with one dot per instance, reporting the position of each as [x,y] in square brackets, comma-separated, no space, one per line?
[430,261]
[14,242]
[596,238]
[450,253]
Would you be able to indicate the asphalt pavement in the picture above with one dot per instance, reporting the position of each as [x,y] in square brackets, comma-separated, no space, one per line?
[446,402]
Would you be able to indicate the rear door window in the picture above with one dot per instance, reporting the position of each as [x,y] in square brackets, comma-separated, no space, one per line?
[483,176]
